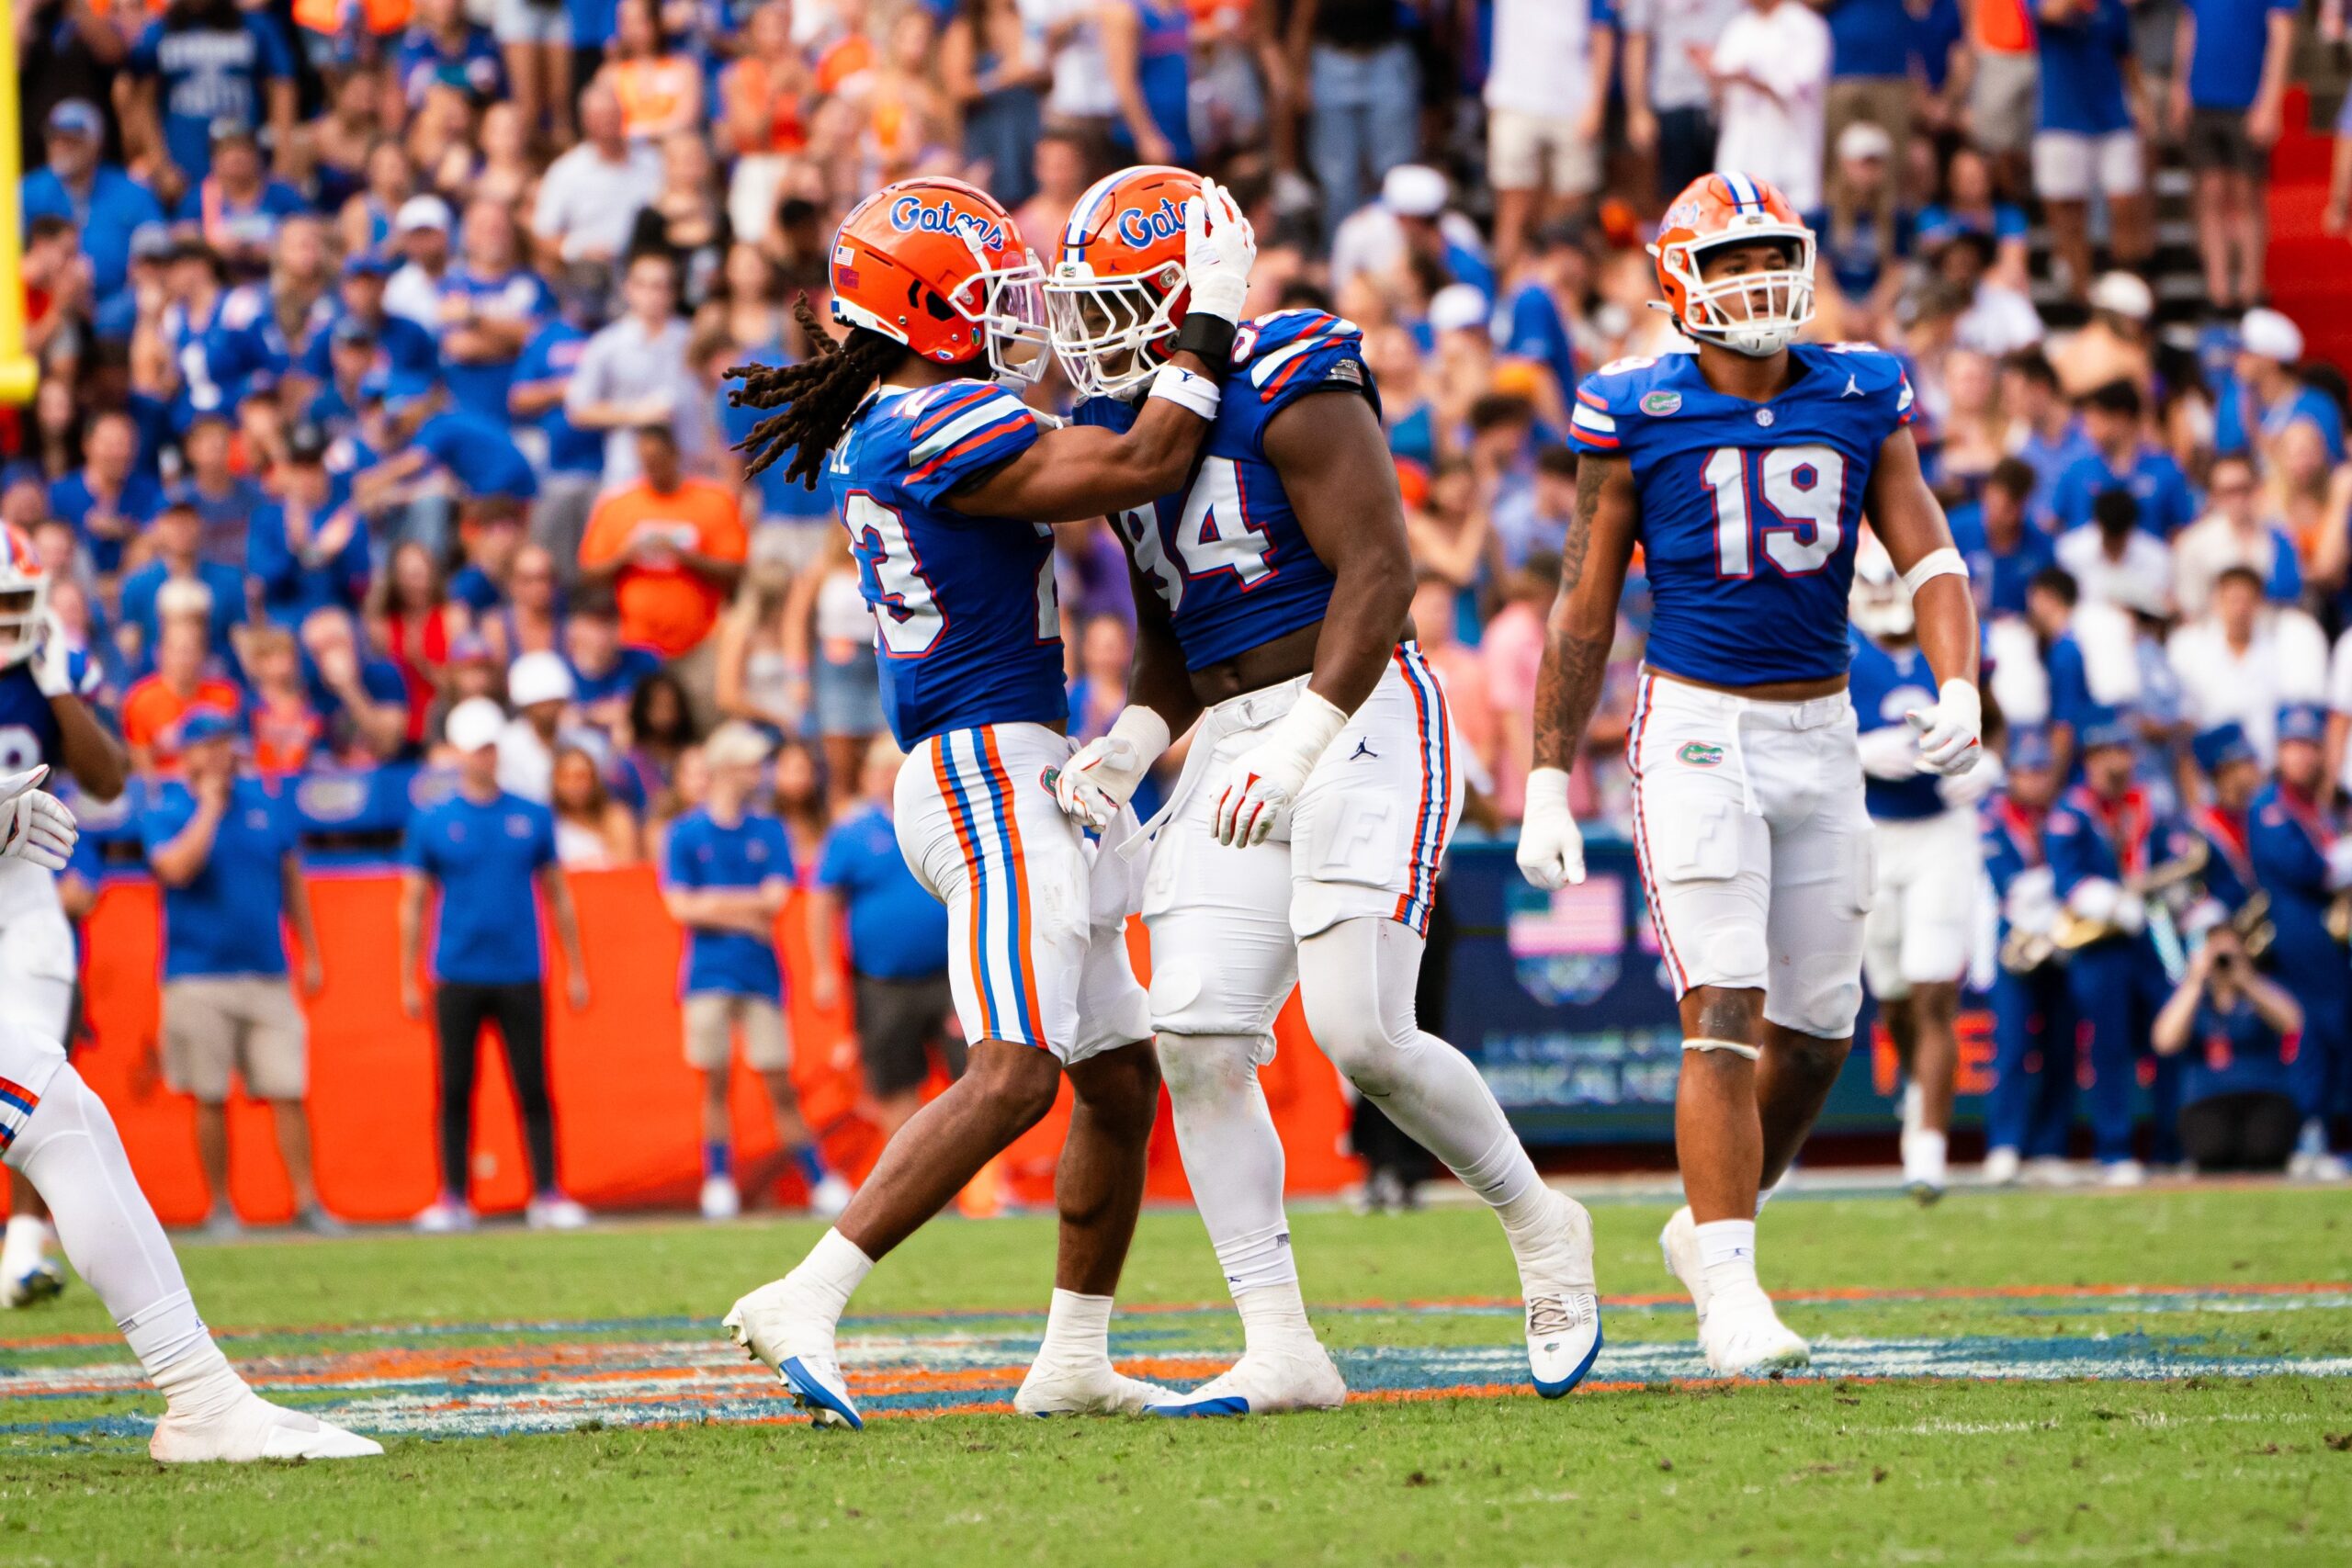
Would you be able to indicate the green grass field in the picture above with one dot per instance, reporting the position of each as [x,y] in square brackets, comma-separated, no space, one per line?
[1986,1393]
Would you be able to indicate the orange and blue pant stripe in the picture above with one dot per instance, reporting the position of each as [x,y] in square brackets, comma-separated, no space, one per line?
[973,784]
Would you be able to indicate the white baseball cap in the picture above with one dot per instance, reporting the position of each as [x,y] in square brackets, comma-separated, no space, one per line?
[1864,139]
[474,724]
[2269,335]
[1413,190]
[536,678]
[422,212]
[2123,294]
[1457,306]
[736,744]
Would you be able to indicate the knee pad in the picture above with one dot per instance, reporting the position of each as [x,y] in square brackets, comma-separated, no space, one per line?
[63,1107]
[1190,996]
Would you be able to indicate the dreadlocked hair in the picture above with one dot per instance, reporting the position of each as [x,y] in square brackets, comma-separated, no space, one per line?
[815,397]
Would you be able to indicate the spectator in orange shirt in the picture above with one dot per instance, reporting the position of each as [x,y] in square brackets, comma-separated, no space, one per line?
[660,88]
[154,707]
[672,548]
[286,727]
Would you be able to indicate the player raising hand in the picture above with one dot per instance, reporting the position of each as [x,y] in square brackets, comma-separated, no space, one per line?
[1744,472]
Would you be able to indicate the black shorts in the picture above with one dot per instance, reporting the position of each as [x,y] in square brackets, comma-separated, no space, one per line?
[899,1024]
[2217,140]
[2253,1130]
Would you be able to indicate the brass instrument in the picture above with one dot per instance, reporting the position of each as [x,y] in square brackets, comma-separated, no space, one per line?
[2073,932]
[2257,930]
[2339,916]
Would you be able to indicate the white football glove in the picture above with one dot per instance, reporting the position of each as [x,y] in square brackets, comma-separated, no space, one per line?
[1952,733]
[1219,251]
[1264,782]
[1100,776]
[1550,846]
[33,824]
[52,667]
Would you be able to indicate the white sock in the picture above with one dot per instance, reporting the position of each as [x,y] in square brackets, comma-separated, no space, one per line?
[1233,1156]
[71,1153]
[1924,1160]
[23,1244]
[1357,981]
[1078,1328]
[833,1268]
[1727,1253]
[1273,1317]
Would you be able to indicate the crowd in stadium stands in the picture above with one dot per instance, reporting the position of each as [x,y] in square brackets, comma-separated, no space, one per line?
[372,332]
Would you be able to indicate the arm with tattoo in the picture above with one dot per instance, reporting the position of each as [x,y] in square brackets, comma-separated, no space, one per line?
[1583,623]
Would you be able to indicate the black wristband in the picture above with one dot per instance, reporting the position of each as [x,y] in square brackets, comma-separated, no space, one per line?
[1211,337]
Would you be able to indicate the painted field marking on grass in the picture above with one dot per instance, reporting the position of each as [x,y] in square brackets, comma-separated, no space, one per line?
[418,1384]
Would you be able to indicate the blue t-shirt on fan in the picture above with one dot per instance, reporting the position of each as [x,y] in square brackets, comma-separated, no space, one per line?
[705,853]
[2082,71]
[225,922]
[896,931]
[1872,38]
[2231,35]
[487,857]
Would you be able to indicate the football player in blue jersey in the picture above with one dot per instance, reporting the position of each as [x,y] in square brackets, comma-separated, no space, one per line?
[45,723]
[1744,471]
[1916,941]
[947,482]
[1301,843]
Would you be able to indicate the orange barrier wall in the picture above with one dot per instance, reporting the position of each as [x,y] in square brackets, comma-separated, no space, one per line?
[626,1101]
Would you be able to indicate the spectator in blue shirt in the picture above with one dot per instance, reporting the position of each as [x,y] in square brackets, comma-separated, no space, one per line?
[2232,1025]
[1865,231]
[2004,550]
[868,914]
[238,206]
[2265,398]
[2228,78]
[2121,457]
[571,460]
[176,532]
[2087,139]
[105,205]
[361,699]
[1536,314]
[307,547]
[725,876]
[203,60]
[108,499]
[1971,207]
[217,338]
[222,499]
[605,674]
[492,855]
[224,850]
[490,306]
[2049,601]
[397,347]
[419,457]
[443,48]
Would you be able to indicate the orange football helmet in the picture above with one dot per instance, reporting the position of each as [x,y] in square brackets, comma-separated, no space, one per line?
[1117,292]
[1735,210]
[937,264]
[24,598]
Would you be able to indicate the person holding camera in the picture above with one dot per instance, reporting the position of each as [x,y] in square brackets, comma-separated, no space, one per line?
[2237,1029]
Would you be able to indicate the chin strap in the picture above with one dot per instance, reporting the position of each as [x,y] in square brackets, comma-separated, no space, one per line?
[1734,1046]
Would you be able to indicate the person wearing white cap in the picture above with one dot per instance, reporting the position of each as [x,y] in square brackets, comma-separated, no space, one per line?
[1412,217]
[541,688]
[1770,69]
[1862,234]
[2117,343]
[421,233]
[492,856]
[2087,139]
[2265,396]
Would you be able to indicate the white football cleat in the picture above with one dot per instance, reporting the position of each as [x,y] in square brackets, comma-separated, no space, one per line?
[2323,1167]
[776,1325]
[829,1196]
[443,1217]
[1265,1382]
[1680,1243]
[44,1281]
[2122,1173]
[1742,1336]
[554,1211]
[720,1199]
[2050,1170]
[252,1430]
[1555,1279]
[2002,1168]
[1088,1388]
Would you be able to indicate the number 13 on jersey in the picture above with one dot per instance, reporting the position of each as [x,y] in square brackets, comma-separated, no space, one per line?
[1802,489]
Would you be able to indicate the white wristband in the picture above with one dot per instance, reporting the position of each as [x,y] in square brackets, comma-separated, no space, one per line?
[1311,724]
[1547,790]
[1945,562]
[1196,393]
[1142,728]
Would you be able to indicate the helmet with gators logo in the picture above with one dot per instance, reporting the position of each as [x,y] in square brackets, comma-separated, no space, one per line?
[1756,313]
[938,265]
[24,598]
[1117,292]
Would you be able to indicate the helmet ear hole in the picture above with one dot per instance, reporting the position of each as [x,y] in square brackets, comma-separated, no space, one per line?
[936,307]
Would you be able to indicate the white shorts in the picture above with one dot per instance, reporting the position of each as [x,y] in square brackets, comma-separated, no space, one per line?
[1522,147]
[1924,903]
[1754,847]
[523,22]
[2067,166]
[1037,944]
[1363,839]
[36,959]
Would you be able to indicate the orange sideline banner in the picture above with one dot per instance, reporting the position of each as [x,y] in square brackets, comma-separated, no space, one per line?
[627,1123]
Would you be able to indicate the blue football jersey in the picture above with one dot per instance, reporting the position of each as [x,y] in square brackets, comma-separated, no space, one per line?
[1749,511]
[218,357]
[1227,553]
[966,624]
[1885,686]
